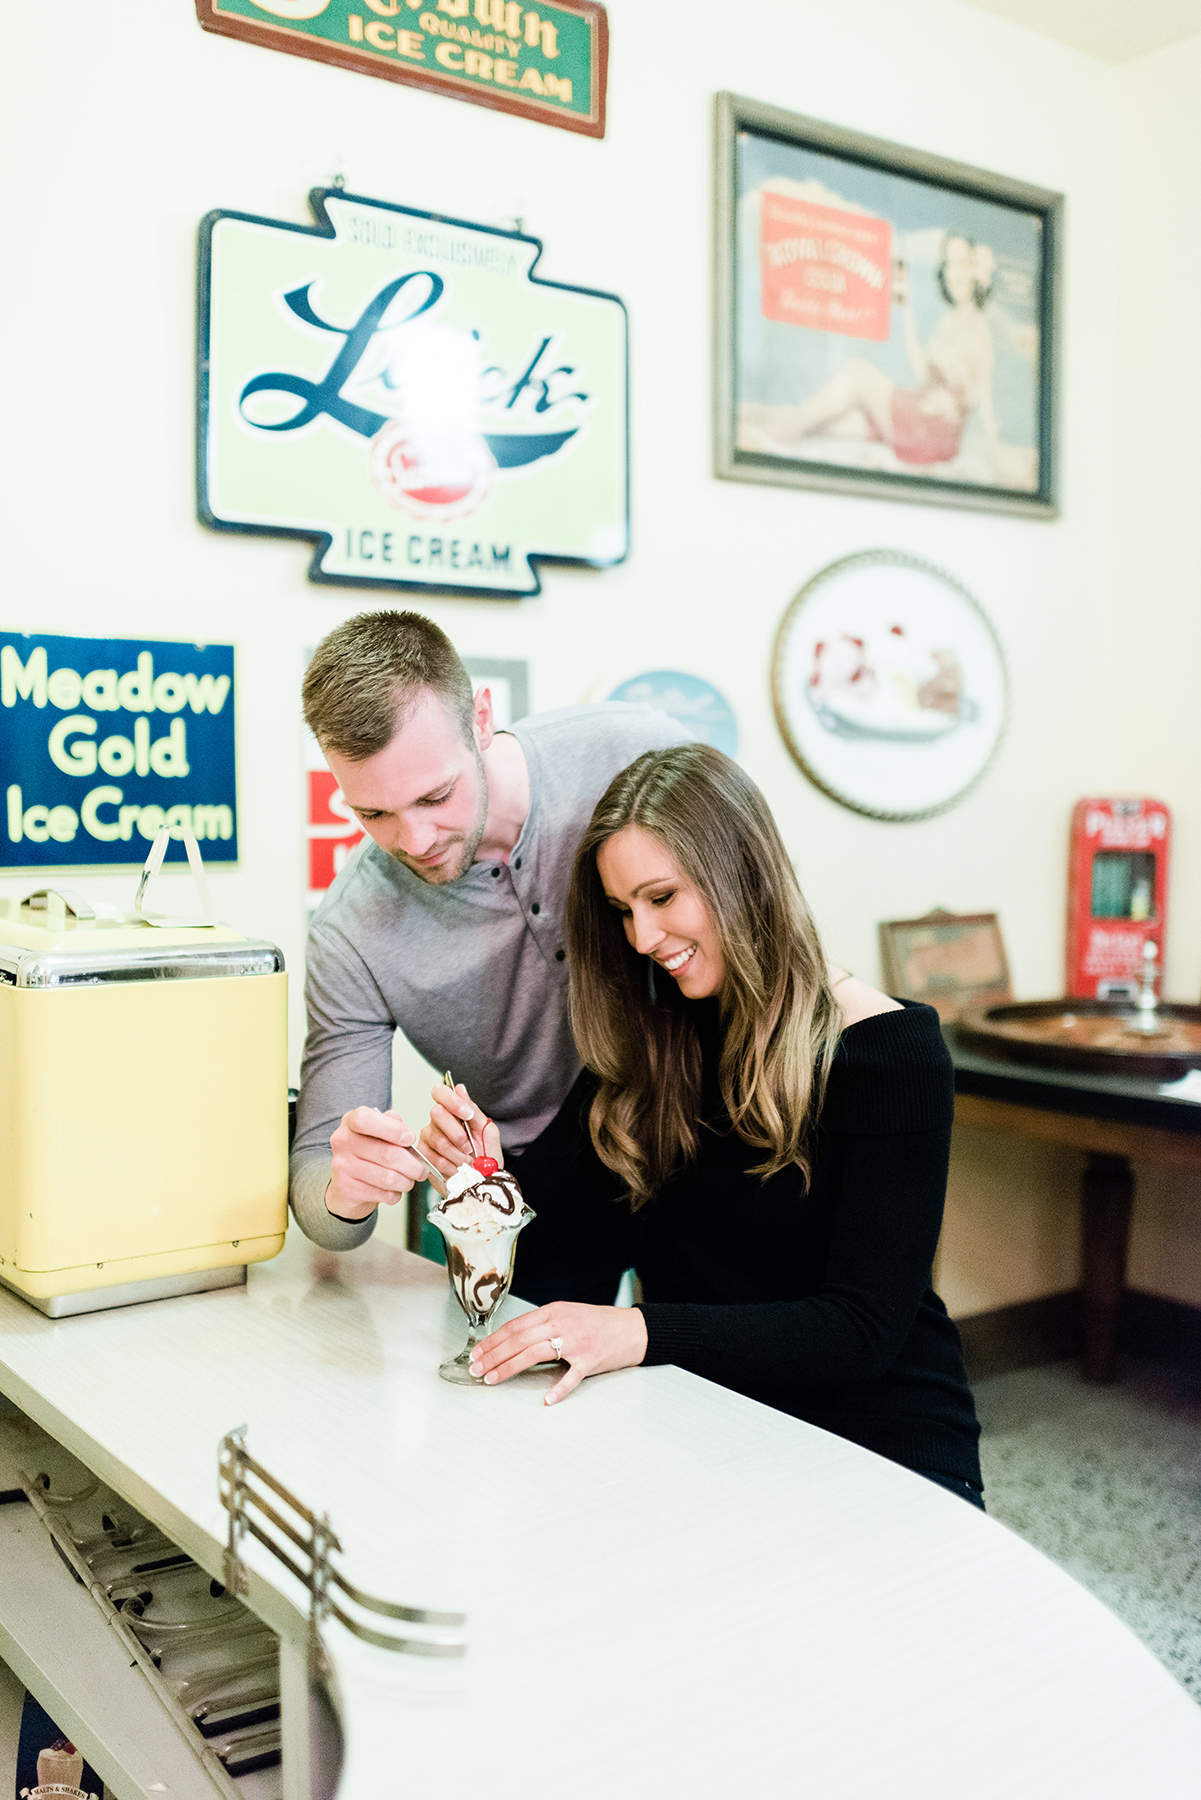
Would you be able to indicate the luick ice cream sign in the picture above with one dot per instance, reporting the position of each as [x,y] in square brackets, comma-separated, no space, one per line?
[404,391]
[104,740]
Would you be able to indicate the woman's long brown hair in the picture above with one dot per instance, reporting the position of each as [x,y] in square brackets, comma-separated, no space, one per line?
[780,1018]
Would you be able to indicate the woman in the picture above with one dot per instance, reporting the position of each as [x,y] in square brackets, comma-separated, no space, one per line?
[924,426]
[779,1130]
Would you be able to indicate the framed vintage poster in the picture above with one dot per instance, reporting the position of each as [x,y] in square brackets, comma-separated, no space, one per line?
[886,320]
[404,391]
[948,960]
[889,685]
[547,62]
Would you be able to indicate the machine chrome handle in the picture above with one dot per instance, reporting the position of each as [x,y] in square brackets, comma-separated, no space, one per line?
[154,863]
[39,901]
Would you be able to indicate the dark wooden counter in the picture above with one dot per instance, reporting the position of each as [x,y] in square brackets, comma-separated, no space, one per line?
[1115,1120]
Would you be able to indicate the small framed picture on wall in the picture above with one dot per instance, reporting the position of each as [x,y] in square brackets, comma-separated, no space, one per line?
[886,320]
[948,960]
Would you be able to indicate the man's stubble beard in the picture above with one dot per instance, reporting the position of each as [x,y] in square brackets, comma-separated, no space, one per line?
[448,873]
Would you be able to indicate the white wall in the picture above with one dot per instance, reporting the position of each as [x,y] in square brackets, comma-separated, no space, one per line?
[121,135]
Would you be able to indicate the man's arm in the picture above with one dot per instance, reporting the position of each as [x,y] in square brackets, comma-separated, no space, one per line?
[347,1064]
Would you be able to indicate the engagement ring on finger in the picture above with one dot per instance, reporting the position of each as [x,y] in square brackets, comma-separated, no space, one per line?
[556,1345]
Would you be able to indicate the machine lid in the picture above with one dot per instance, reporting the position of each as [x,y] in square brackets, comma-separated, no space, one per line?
[53,947]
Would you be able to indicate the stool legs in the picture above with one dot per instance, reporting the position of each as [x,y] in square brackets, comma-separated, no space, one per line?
[1106,1198]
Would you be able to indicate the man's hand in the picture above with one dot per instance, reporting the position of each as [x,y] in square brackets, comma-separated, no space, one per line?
[373,1164]
[595,1340]
[445,1140]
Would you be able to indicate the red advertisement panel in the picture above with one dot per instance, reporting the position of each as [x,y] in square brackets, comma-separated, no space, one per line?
[332,831]
[1117,895]
[825,268]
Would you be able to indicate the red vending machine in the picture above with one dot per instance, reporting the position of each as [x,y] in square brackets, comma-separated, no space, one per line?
[1117,896]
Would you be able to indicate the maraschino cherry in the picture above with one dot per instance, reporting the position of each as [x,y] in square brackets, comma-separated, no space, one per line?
[485,1165]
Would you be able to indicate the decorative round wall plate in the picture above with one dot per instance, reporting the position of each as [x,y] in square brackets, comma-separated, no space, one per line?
[889,685]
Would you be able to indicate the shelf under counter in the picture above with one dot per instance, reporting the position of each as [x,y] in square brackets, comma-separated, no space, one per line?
[56,1641]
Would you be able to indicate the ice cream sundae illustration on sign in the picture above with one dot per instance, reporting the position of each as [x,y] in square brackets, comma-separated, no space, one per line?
[403,390]
[889,685]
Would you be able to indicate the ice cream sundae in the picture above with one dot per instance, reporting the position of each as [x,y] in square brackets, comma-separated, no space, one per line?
[480,1217]
[60,1765]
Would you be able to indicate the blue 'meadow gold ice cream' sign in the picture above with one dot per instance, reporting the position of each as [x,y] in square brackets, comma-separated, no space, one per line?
[400,388]
[547,61]
[103,740]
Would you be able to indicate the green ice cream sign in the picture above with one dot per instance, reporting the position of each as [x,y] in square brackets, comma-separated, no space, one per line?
[403,390]
[546,61]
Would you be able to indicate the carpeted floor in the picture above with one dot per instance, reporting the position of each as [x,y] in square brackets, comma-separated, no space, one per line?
[1107,1481]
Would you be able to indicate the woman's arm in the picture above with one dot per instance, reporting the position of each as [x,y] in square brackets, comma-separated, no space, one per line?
[902,297]
[885,1231]
[887,1132]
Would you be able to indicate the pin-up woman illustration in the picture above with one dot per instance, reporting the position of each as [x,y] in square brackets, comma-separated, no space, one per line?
[954,371]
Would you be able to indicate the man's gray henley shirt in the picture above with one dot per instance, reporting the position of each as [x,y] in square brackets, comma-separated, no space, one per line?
[474,972]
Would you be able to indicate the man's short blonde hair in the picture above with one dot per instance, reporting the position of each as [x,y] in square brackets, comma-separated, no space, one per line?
[369,673]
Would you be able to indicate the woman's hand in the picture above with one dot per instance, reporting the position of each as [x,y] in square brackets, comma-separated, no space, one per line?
[445,1140]
[595,1340]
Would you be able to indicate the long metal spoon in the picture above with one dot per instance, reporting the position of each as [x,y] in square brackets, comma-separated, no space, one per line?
[439,1177]
[449,1081]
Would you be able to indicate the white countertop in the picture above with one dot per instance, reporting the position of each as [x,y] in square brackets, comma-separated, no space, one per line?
[671,1591]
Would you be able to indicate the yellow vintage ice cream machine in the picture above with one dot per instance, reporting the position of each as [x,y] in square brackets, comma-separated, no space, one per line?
[143,1105]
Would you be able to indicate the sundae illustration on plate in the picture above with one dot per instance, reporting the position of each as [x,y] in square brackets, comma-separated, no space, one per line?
[888,684]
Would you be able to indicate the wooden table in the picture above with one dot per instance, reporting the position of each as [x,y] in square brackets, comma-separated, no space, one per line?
[673,1593]
[1115,1120]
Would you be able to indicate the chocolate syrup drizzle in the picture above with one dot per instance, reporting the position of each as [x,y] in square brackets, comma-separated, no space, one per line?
[500,1190]
[479,1290]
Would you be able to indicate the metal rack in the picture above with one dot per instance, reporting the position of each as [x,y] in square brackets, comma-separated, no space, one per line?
[241,1479]
[209,1668]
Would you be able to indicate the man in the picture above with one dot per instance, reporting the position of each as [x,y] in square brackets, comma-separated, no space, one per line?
[448,923]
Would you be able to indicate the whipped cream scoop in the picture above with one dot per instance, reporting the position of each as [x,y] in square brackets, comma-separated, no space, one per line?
[482,1202]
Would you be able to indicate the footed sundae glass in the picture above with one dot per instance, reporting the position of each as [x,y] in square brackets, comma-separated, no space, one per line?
[480,1270]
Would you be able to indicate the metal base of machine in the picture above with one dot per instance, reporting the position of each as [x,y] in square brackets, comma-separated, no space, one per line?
[162,1287]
